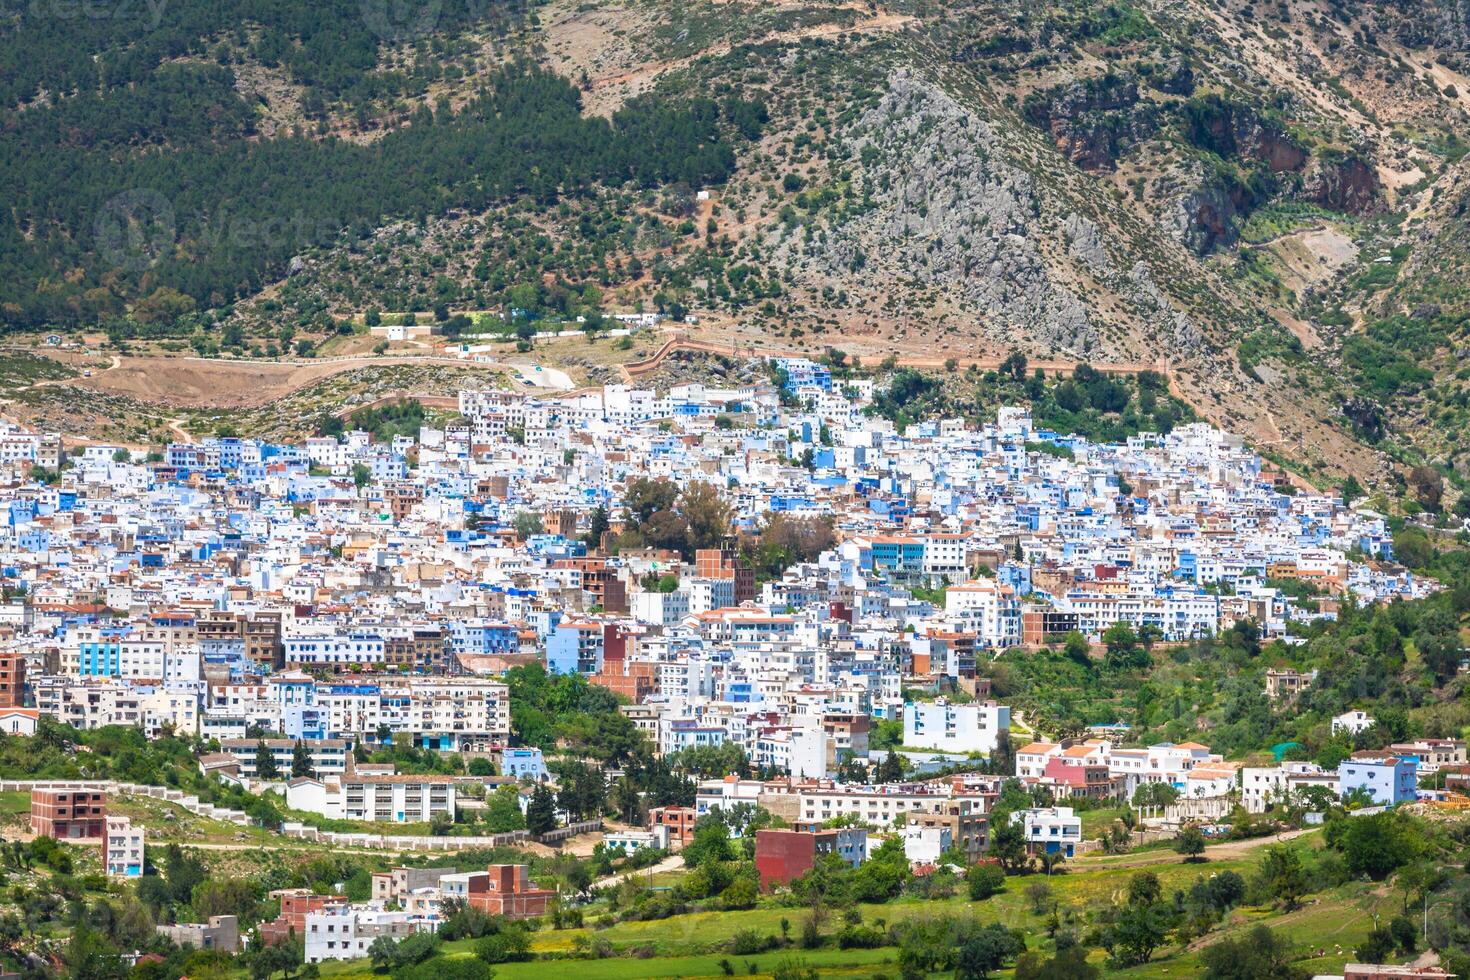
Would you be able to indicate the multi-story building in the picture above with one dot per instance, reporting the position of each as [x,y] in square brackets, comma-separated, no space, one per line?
[346,932]
[69,814]
[679,821]
[951,727]
[12,679]
[1050,830]
[397,884]
[501,889]
[379,799]
[329,756]
[123,851]
[296,904]
[1386,778]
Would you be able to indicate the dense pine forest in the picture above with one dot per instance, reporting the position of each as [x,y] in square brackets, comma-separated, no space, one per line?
[138,180]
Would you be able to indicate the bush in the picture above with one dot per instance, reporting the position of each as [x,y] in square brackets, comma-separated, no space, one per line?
[985,880]
[748,942]
[861,937]
[512,943]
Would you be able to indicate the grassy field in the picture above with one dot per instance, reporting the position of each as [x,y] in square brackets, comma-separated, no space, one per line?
[831,963]
[15,802]
[1324,931]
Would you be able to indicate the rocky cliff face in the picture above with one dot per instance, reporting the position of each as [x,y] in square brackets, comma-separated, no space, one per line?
[962,199]
[1343,182]
[1094,121]
[1205,209]
[949,208]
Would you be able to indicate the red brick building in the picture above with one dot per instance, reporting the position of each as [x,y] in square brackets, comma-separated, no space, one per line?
[633,679]
[781,855]
[679,819]
[506,889]
[603,582]
[724,563]
[296,903]
[12,680]
[69,814]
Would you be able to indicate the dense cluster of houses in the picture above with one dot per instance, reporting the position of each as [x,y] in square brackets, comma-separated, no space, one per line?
[348,590]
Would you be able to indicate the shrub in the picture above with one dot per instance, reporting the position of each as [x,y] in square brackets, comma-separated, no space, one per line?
[748,942]
[985,880]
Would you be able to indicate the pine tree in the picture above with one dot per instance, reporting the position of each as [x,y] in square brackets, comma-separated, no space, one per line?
[596,527]
[265,762]
[301,761]
[541,812]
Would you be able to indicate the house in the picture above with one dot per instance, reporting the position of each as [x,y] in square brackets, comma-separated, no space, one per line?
[523,763]
[656,838]
[924,845]
[955,727]
[123,855]
[1070,781]
[1031,758]
[1050,830]
[679,820]
[1287,684]
[781,855]
[1388,779]
[296,905]
[1429,754]
[346,932]
[1211,780]
[19,721]
[221,932]
[395,885]
[506,889]
[1352,722]
[1263,787]
[69,814]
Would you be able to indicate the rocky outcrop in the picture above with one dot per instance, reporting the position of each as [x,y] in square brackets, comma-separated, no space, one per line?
[1175,75]
[1343,182]
[1183,334]
[1231,130]
[1093,121]
[1442,24]
[1085,244]
[951,209]
[1205,212]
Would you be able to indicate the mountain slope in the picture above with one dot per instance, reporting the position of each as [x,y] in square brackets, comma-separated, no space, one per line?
[1266,196]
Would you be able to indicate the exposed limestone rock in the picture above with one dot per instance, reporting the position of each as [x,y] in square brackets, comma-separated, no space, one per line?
[949,207]
[1085,244]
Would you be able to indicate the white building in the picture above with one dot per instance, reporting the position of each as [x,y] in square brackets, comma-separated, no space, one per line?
[1352,722]
[380,799]
[955,727]
[345,932]
[124,857]
[1262,787]
[924,845]
[1050,830]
